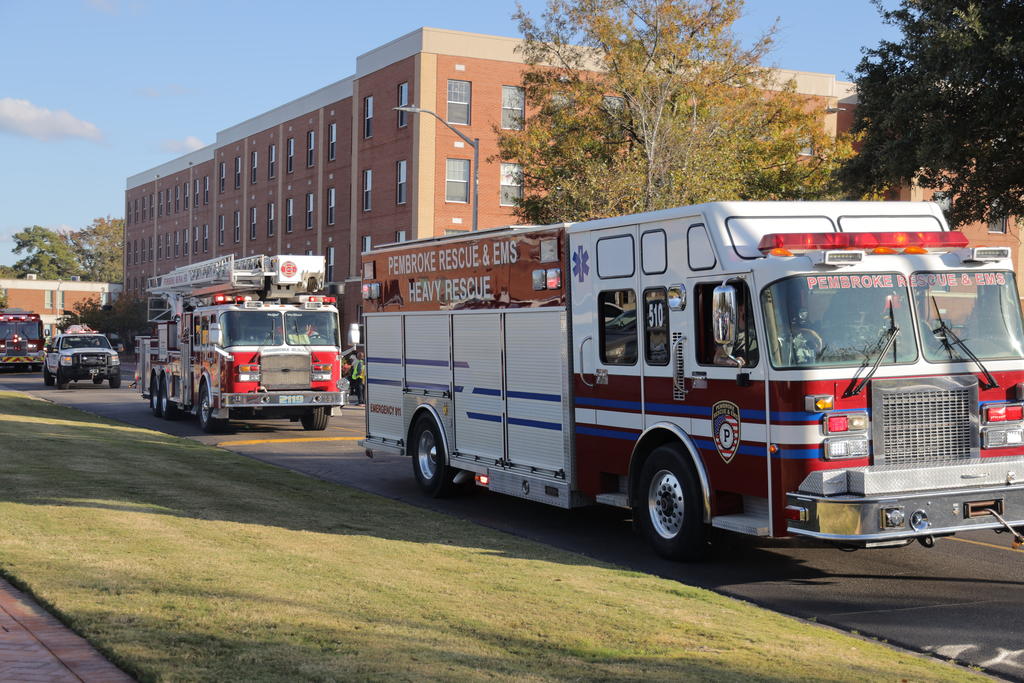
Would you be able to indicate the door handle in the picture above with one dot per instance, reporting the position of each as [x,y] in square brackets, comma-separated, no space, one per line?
[678,378]
[580,364]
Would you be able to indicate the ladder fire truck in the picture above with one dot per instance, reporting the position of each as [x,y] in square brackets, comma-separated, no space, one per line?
[851,372]
[242,338]
[21,340]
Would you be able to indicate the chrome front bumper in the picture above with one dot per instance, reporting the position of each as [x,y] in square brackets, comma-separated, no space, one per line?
[282,398]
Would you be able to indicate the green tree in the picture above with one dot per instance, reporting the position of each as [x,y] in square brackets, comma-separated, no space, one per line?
[48,253]
[943,106]
[644,104]
[98,249]
[123,319]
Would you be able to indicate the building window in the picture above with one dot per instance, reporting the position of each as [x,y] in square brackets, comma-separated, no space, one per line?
[368,117]
[184,241]
[367,190]
[290,155]
[309,210]
[332,141]
[330,264]
[143,207]
[400,236]
[271,161]
[177,198]
[195,239]
[459,100]
[289,212]
[136,210]
[237,233]
[177,244]
[400,181]
[238,172]
[511,184]
[221,177]
[168,195]
[160,203]
[330,205]
[253,166]
[310,148]
[270,219]
[160,247]
[184,194]
[195,192]
[997,225]
[206,237]
[367,243]
[403,101]
[220,230]
[150,248]
[252,222]
[206,189]
[456,187]
[513,107]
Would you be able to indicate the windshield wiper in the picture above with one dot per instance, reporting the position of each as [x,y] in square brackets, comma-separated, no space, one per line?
[944,332]
[889,336]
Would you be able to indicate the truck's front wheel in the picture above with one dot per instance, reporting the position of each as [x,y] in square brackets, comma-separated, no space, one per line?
[207,422]
[668,506]
[315,420]
[62,381]
[429,461]
[47,377]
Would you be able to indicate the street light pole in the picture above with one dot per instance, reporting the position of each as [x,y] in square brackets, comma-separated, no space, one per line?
[474,143]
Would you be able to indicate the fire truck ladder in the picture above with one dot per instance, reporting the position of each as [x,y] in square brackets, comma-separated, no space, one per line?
[221,275]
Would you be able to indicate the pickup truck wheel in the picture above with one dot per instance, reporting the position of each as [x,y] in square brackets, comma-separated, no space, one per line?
[668,506]
[315,420]
[207,422]
[155,404]
[62,381]
[429,460]
[115,379]
[168,407]
[47,377]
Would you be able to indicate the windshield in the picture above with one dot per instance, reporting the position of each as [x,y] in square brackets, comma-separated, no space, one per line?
[92,341]
[980,308]
[25,330]
[838,320]
[316,328]
[252,328]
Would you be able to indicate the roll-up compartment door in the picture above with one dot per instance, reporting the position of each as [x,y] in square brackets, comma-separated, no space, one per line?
[479,395]
[384,377]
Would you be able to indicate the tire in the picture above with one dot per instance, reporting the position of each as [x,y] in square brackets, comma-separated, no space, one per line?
[155,404]
[429,460]
[61,380]
[668,506]
[207,422]
[315,420]
[168,408]
[115,381]
[97,379]
[48,379]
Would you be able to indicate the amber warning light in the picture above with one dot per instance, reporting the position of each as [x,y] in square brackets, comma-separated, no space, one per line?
[881,241]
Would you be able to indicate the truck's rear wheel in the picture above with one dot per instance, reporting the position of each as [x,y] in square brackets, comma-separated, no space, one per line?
[668,506]
[62,381]
[207,422]
[155,404]
[47,377]
[168,407]
[429,460]
[315,420]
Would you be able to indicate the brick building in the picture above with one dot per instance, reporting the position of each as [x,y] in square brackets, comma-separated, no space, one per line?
[50,298]
[338,170]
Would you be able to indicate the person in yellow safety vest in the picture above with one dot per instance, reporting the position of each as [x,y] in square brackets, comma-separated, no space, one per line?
[358,377]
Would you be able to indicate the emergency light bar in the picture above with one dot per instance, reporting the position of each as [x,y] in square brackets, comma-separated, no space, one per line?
[984,254]
[813,241]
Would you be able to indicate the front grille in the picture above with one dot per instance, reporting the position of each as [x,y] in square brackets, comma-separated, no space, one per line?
[17,347]
[92,359]
[925,421]
[285,371]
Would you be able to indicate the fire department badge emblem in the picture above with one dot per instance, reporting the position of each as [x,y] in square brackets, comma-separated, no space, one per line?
[725,426]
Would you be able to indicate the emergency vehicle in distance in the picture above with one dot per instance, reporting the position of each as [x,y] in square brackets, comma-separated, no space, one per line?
[242,338]
[21,340]
[81,353]
[850,372]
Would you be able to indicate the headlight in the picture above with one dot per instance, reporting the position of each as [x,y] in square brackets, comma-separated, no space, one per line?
[114,359]
[66,360]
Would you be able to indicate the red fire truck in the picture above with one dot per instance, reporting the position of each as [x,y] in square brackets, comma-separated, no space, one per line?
[844,371]
[21,340]
[243,338]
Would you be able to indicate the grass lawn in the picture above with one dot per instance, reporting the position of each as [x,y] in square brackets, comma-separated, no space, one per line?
[185,562]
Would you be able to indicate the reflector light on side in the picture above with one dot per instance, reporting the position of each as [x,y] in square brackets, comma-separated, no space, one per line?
[1004,412]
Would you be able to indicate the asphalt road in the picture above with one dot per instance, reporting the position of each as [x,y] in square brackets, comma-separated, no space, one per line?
[961,599]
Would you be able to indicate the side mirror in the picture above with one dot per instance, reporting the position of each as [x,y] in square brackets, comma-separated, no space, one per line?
[215,337]
[723,316]
[48,348]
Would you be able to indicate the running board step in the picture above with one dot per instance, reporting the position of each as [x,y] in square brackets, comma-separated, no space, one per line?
[618,500]
[744,523]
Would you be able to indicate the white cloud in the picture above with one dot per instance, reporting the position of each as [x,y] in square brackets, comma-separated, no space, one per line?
[21,117]
[189,144]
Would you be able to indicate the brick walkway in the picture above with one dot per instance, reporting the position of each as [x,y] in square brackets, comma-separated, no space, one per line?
[34,646]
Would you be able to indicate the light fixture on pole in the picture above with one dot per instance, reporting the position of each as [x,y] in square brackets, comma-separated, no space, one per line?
[474,143]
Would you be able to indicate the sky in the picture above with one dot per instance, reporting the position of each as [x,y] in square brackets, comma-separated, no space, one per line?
[93,91]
